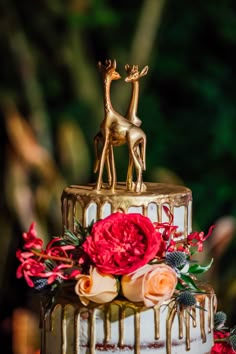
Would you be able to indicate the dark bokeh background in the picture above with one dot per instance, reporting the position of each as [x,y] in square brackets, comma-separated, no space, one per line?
[51,107]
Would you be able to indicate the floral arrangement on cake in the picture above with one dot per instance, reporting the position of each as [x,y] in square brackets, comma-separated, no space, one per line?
[122,255]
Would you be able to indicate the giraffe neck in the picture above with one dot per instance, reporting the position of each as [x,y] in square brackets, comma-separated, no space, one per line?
[107,99]
[133,105]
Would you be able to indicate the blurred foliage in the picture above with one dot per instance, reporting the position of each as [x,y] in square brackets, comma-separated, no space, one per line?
[50,89]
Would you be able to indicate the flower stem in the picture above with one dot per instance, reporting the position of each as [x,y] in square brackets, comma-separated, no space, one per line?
[219,340]
[56,258]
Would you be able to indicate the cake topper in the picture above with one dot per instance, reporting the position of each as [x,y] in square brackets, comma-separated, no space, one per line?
[116,130]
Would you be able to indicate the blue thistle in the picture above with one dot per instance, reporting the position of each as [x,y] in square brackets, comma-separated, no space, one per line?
[232,341]
[186,299]
[176,259]
[219,319]
[40,284]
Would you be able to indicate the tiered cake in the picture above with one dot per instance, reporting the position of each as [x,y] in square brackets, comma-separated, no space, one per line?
[126,283]
[124,326]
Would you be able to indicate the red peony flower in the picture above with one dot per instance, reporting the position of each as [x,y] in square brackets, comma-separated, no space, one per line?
[122,243]
[31,239]
[221,347]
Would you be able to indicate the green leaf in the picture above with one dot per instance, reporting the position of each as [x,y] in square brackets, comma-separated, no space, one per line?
[180,286]
[83,231]
[198,269]
[189,281]
[72,238]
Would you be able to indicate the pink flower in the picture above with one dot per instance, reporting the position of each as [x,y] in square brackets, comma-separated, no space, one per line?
[31,239]
[58,271]
[122,243]
[152,284]
[174,246]
[221,347]
[167,230]
[58,251]
[197,238]
[30,268]
[22,256]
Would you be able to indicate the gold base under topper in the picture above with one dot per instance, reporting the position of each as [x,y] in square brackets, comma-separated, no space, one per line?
[85,204]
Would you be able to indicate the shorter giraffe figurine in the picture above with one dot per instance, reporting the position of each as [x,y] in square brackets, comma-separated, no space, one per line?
[117,130]
[133,76]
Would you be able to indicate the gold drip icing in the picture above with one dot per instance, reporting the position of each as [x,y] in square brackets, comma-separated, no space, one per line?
[54,322]
[170,319]
[145,210]
[76,330]
[63,330]
[92,330]
[186,218]
[159,212]
[181,321]
[214,300]
[157,321]
[77,199]
[193,314]
[137,332]
[53,312]
[202,319]
[210,310]
[121,326]
[107,323]
[187,328]
[43,323]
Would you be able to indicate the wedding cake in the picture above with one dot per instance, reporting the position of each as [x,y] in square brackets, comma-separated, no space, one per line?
[122,278]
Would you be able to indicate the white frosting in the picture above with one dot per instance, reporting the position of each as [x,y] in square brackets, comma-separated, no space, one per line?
[69,333]
[152,213]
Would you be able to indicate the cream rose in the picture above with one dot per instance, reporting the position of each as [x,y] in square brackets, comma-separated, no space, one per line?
[96,287]
[152,284]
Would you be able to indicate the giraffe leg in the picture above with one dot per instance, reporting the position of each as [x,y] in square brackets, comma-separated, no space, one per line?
[138,168]
[109,174]
[143,144]
[129,179]
[113,168]
[101,165]
[95,142]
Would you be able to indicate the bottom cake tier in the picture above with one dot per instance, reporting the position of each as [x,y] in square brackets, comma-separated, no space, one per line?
[125,327]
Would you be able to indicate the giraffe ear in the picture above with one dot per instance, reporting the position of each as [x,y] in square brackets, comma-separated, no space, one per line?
[144,71]
[114,63]
[127,67]
[99,66]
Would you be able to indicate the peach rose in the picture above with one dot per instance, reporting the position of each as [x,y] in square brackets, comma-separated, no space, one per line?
[96,287]
[152,284]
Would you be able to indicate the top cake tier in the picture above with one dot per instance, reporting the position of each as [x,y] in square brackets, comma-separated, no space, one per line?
[84,204]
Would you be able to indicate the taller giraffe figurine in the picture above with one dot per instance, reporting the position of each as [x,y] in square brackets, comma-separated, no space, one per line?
[133,76]
[117,130]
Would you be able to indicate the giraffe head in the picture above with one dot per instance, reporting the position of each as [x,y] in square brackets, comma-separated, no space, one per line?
[133,73]
[109,70]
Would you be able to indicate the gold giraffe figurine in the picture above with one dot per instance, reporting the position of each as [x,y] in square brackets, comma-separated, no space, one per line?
[116,130]
[133,76]
[98,139]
